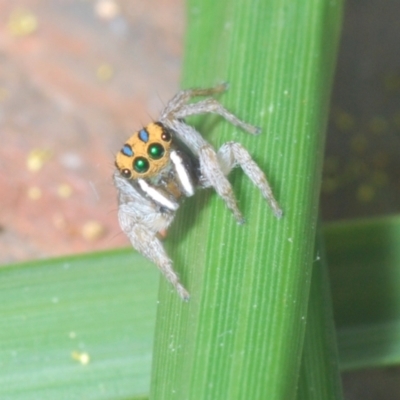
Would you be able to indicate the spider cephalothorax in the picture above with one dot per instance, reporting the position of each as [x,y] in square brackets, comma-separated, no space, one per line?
[157,166]
[165,162]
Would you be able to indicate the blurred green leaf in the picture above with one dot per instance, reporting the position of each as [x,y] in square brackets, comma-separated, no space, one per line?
[55,314]
[241,334]
[104,305]
[319,374]
[364,259]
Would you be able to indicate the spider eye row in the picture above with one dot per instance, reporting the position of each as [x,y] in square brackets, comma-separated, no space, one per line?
[141,164]
[155,151]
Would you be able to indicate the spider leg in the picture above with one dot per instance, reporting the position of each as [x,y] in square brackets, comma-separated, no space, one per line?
[213,175]
[212,106]
[145,241]
[182,97]
[232,154]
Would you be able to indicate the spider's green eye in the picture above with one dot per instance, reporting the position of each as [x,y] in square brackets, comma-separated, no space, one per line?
[155,151]
[140,165]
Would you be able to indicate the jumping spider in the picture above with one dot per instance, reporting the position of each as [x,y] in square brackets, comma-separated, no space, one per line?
[165,162]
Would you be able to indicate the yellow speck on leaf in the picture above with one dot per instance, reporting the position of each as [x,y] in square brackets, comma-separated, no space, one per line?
[81,357]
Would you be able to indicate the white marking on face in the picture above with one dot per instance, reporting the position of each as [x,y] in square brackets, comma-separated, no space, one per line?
[183,174]
[157,196]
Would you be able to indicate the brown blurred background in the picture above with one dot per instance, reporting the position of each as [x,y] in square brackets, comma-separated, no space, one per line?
[362,164]
[78,76]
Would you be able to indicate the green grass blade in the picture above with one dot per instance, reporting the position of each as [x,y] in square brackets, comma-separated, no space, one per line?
[364,260]
[104,304]
[319,374]
[101,304]
[241,334]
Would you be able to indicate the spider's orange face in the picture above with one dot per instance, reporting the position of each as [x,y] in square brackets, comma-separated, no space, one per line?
[145,153]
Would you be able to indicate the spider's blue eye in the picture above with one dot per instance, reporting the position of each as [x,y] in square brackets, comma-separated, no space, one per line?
[127,150]
[144,135]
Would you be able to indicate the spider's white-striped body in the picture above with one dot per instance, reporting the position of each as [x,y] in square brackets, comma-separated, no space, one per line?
[167,161]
